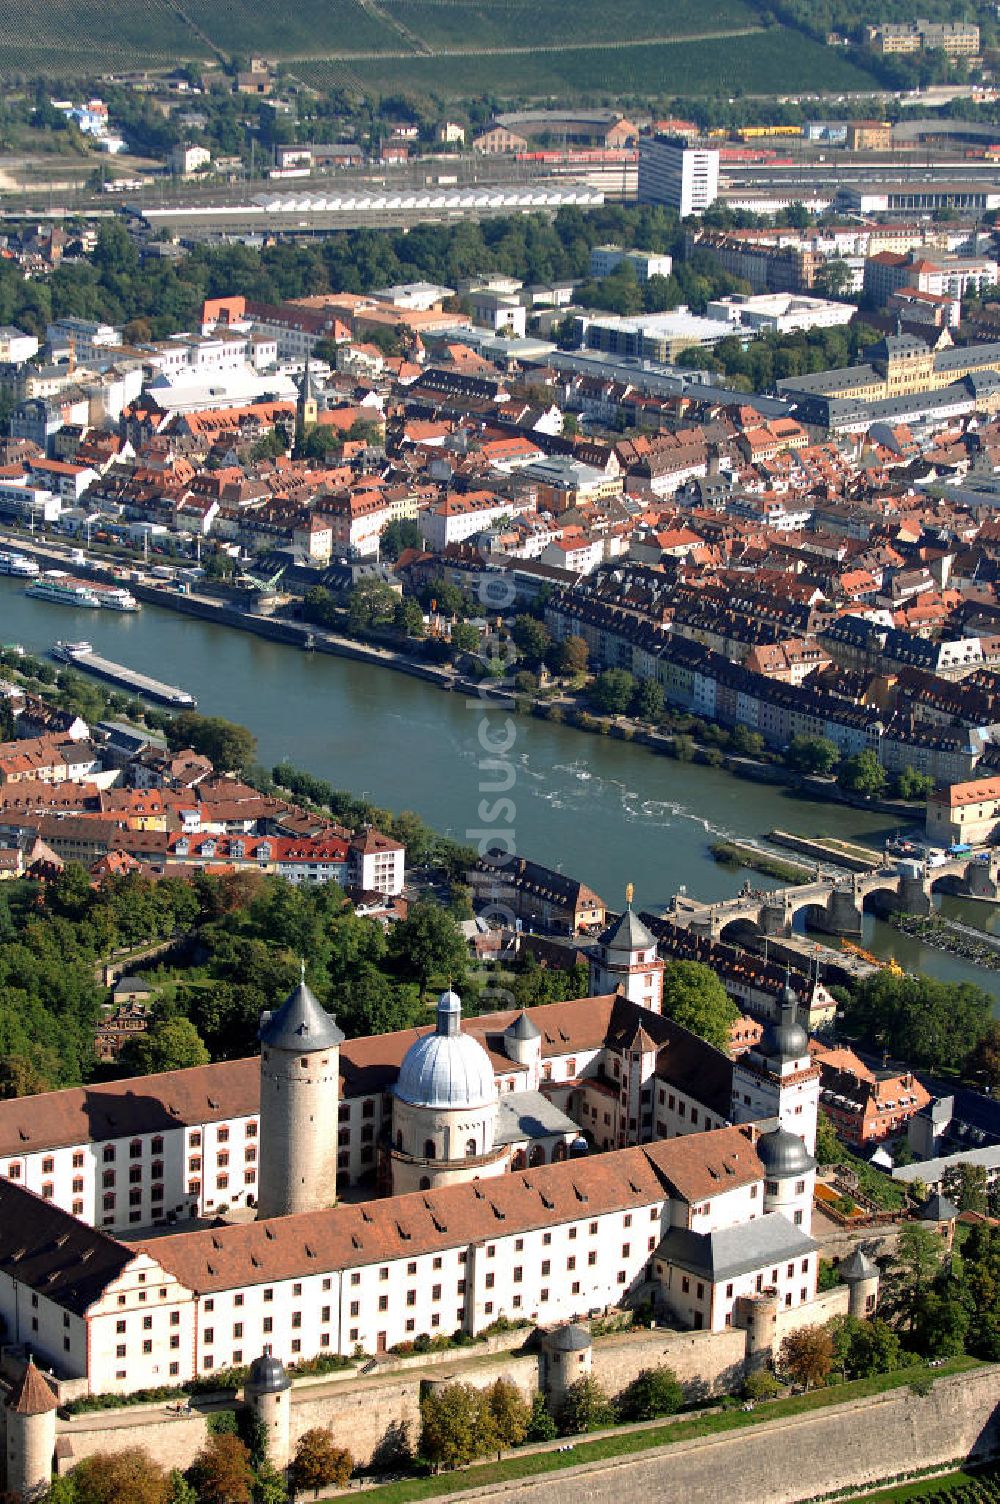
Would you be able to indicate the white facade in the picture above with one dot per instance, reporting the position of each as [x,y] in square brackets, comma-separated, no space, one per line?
[459,517]
[779,312]
[604,259]
[15,346]
[671,172]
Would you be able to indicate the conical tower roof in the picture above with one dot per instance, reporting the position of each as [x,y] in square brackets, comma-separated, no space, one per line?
[627,933]
[32,1394]
[858,1266]
[301,1023]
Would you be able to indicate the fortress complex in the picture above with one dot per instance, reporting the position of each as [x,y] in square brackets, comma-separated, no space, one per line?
[539,1166]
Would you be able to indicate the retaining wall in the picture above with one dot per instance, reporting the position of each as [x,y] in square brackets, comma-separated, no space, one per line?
[846,1446]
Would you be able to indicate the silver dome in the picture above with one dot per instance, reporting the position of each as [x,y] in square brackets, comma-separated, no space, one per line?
[783,1154]
[447,1069]
[785,1040]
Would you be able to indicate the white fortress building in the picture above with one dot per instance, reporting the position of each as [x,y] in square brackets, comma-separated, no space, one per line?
[543,1166]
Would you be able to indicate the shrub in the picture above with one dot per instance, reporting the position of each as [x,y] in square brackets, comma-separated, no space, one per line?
[761,1386]
[586,1407]
[318,1461]
[653,1392]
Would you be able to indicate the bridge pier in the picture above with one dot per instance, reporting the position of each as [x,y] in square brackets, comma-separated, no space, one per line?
[776,920]
[843,915]
[914,896]
[983,881]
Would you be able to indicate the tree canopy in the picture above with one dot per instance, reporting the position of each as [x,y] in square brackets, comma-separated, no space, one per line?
[936,1025]
[694,996]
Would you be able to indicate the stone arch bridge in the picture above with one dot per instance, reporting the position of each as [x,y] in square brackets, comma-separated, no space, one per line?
[835,903]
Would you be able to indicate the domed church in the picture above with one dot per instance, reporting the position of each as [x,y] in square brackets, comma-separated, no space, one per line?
[449,1122]
[444,1115]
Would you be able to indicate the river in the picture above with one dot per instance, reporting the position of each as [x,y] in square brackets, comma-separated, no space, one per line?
[606,811]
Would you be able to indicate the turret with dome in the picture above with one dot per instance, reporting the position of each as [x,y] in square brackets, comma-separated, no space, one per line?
[777,1077]
[444,1113]
[789,1176]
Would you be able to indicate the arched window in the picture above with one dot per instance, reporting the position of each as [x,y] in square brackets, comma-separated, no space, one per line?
[560,1152]
[399,1138]
[430,1150]
[425,1182]
[520,1160]
[470,1148]
[537,1156]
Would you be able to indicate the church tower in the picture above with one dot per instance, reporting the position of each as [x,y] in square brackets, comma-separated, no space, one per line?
[308,404]
[625,956]
[777,1078]
[299,1100]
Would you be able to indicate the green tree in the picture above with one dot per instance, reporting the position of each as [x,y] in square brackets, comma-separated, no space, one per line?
[931,1024]
[449,1425]
[829,1150]
[409,618]
[806,1356]
[981,1282]
[653,1392]
[399,536]
[181,1491]
[965,1184]
[110,1477]
[428,942]
[268,1484]
[913,785]
[69,893]
[371,1003]
[531,638]
[510,1412]
[942,1324]
[648,700]
[911,1275]
[465,637]
[811,754]
[319,1462]
[834,279]
[585,1407]
[694,996]
[863,774]
[569,658]
[611,692]
[761,1385]
[983,1063]
[746,742]
[541,1426]
[371,603]
[169,1044]
[228,746]
[221,1472]
[864,1348]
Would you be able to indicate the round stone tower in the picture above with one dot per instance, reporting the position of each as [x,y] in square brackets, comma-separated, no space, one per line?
[567,1355]
[31,1435]
[861,1276]
[299,1098]
[268,1395]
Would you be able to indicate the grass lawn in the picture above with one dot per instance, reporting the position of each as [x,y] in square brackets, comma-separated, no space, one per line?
[619,1444]
[919,1488]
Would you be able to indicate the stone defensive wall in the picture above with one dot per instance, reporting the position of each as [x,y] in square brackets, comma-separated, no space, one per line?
[857,1445]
